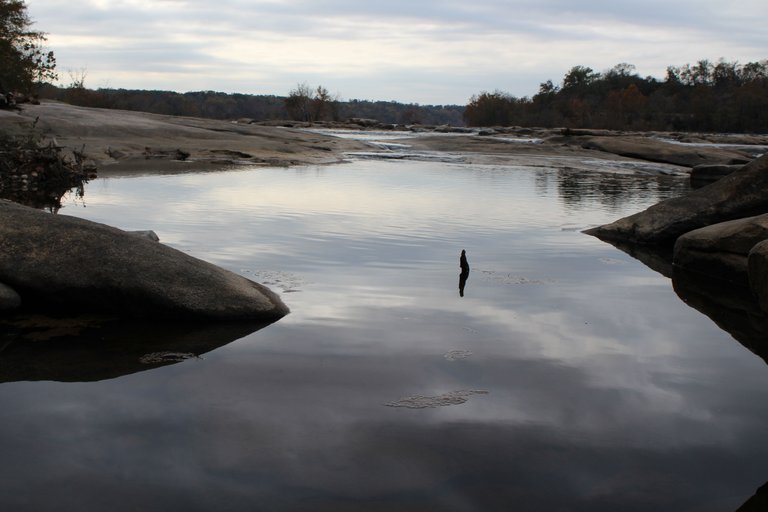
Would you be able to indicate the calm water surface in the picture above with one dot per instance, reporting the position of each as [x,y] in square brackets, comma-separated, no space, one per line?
[569,376]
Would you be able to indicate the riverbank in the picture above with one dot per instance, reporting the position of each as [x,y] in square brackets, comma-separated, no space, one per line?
[137,142]
[123,141]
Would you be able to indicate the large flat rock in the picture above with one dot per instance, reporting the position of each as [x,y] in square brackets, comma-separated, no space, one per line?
[656,150]
[63,263]
[122,141]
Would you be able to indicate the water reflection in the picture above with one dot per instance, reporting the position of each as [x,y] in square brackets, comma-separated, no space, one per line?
[732,307]
[605,391]
[615,191]
[48,197]
[657,258]
[39,174]
[75,349]
[464,274]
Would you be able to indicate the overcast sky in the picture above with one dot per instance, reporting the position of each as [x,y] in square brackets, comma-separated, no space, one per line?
[413,51]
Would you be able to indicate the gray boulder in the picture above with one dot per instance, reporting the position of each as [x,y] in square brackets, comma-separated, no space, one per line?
[9,299]
[743,193]
[62,263]
[721,250]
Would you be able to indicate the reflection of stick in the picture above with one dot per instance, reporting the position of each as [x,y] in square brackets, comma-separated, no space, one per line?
[464,272]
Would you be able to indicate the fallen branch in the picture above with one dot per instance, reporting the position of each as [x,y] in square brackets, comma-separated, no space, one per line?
[38,173]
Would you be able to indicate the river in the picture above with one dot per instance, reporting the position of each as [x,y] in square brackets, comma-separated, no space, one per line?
[569,376]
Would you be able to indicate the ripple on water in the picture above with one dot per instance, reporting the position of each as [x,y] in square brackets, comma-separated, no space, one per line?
[506,278]
[429,402]
[287,282]
[455,355]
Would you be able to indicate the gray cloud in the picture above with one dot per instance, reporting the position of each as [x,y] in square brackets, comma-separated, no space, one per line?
[462,47]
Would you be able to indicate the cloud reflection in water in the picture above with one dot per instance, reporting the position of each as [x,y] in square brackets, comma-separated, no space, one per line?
[606,392]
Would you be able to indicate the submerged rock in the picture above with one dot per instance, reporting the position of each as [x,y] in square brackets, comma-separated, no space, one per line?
[63,263]
[743,193]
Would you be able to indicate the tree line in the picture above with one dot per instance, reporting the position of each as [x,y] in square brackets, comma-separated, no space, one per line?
[305,104]
[720,97]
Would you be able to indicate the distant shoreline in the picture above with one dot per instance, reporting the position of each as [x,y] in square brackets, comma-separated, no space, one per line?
[127,142]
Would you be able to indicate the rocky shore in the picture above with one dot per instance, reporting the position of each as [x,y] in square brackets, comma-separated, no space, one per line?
[716,242]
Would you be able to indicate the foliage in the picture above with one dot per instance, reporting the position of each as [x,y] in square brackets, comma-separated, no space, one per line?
[298,103]
[579,77]
[495,108]
[392,112]
[307,104]
[38,173]
[24,61]
[722,97]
